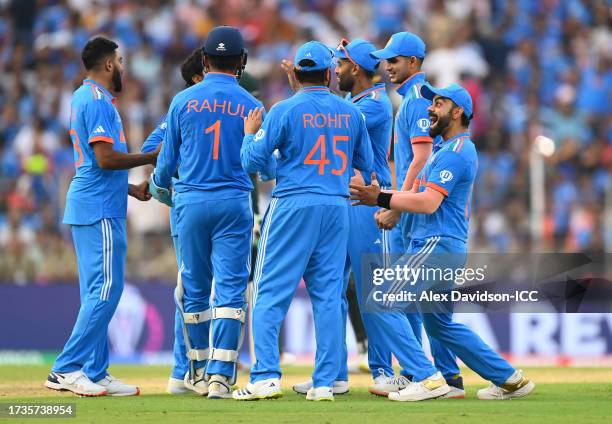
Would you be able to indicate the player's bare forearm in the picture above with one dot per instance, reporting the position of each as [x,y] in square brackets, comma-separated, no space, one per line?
[426,202]
[108,158]
[421,152]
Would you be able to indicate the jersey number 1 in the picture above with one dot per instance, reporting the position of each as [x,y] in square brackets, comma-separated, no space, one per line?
[322,161]
[216,128]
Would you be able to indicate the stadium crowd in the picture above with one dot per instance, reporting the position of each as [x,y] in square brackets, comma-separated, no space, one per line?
[532,67]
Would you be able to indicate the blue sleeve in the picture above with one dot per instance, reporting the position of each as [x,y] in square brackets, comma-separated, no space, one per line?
[268,173]
[446,170]
[155,138]
[256,152]
[100,119]
[363,157]
[168,157]
[418,126]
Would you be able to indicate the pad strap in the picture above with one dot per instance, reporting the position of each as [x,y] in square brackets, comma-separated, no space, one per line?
[223,355]
[197,317]
[238,314]
[198,354]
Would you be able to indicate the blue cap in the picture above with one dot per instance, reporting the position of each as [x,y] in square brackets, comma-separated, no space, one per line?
[224,41]
[358,51]
[316,51]
[402,44]
[455,92]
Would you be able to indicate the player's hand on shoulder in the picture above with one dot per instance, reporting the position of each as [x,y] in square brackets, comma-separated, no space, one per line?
[253,121]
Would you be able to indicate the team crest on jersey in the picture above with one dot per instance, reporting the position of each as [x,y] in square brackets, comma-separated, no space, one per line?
[423,123]
[445,176]
[260,134]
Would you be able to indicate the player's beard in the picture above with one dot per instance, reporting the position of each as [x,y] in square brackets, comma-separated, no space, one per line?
[441,124]
[346,84]
[116,79]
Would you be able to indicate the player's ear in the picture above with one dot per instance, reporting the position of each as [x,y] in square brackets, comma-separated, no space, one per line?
[327,77]
[206,64]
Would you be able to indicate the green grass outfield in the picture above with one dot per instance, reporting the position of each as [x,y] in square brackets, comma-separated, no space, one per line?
[563,395]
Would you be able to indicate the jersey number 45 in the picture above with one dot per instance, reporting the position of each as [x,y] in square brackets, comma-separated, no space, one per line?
[322,161]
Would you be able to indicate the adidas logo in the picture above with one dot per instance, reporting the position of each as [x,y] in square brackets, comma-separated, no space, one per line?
[221,47]
[377,241]
[308,55]
[99,130]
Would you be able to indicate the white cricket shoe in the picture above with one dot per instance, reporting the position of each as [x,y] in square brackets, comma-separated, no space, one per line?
[263,389]
[454,393]
[116,387]
[199,385]
[176,386]
[383,385]
[431,388]
[339,387]
[516,386]
[219,387]
[319,394]
[76,382]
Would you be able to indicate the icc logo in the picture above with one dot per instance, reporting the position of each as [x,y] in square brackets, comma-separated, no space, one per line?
[423,123]
[445,176]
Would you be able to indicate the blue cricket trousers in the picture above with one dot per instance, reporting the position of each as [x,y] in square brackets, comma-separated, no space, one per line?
[366,246]
[462,341]
[101,250]
[302,236]
[214,247]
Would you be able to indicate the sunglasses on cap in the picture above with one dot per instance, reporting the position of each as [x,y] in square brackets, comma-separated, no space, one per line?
[342,47]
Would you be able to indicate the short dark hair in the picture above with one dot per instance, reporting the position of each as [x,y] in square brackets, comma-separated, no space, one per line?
[96,50]
[192,66]
[311,77]
[225,63]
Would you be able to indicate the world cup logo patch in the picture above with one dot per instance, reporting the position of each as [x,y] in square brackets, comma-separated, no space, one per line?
[445,176]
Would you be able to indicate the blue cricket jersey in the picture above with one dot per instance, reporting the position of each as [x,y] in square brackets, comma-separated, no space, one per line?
[319,136]
[205,128]
[95,193]
[156,137]
[411,124]
[451,170]
[377,109]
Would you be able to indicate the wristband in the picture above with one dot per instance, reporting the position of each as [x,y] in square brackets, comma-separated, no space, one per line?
[384,200]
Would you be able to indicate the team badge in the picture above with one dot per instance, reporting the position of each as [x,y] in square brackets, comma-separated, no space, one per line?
[423,124]
[445,176]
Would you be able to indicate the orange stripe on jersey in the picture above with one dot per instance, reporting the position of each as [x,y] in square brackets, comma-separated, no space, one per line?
[101,138]
[122,137]
[438,188]
[421,139]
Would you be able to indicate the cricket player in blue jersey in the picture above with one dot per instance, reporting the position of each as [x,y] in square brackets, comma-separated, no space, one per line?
[440,201]
[96,206]
[354,71]
[319,137]
[192,71]
[214,218]
[404,54]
